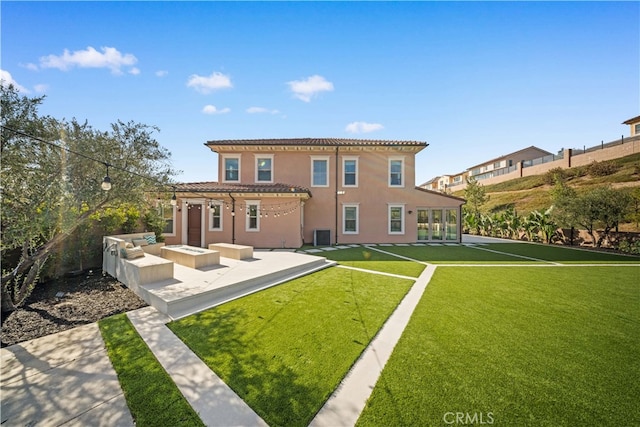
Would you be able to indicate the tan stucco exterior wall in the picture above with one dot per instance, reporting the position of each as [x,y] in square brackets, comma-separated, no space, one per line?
[372,195]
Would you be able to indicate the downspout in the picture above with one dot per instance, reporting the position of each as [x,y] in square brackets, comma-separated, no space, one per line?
[336,194]
[233,219]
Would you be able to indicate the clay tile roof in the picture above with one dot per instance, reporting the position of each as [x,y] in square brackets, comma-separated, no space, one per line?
[217,187]
[310,142]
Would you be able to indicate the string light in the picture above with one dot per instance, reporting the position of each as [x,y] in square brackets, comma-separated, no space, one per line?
[106,182]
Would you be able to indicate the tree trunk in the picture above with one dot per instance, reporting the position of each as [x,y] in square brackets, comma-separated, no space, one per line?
[32,264]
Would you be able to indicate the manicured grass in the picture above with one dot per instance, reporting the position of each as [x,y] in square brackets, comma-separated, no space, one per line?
[370,259]
[561,254]
[534,346]
[285,349]
[455,254]
[152,397]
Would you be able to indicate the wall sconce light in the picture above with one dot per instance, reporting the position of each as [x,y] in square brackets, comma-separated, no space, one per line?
[409,212]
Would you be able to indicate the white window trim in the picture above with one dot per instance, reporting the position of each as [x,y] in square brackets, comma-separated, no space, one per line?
[344,159]
[264,156]
[344,218]
[246,224]
[402,176]
[389,207]
[327,159]
[224,167]
[217,203]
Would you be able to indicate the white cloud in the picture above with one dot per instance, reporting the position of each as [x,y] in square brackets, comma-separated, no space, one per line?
[30,66]
[110,58]
[6,80]
[135,71]
[363,127]
[207,84]
[41,88]
[261,110]
[161,73]
[308,88]
[211,109]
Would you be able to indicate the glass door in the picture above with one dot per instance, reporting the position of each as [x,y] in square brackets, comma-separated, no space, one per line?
[436,224]
[423,224]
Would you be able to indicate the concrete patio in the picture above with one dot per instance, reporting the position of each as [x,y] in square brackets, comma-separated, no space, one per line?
[192,290]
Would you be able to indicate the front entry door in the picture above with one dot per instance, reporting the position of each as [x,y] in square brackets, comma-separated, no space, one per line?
[194,225]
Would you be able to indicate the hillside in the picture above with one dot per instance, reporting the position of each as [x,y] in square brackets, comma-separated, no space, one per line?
[532,193]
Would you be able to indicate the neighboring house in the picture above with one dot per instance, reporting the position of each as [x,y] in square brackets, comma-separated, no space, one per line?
[505,164]
[432,184]
[634,125]
[288,192]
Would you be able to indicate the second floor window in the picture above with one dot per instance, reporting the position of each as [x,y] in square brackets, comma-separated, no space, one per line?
[320,172]
[264,169]
[396,172]
[232,169]
[350,167]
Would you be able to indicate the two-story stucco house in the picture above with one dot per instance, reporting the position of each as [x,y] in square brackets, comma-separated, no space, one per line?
[274,193]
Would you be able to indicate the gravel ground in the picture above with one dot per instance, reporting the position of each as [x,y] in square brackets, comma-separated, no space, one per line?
[65,303]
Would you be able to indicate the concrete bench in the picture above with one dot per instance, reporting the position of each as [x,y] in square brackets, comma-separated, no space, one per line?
[190,256]
[229,250]
[137,271]
[145,270]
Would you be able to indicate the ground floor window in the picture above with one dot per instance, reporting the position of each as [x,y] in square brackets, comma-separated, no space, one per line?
[167,212]
[350,219]
[215,216]
[253,216]
[396,219]
[437,224]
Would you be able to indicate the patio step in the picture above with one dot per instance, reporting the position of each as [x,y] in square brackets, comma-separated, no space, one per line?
[193,291]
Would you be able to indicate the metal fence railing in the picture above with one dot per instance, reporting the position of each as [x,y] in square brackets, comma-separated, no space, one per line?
[603,145]
[494,173]
[541,160]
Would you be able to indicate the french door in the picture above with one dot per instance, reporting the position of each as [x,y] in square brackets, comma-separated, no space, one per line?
[438,225]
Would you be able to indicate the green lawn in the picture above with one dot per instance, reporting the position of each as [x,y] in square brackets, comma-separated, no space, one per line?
[534,346]
[152,397]
[285,349]
[562,254]
[456,254]
[371,259]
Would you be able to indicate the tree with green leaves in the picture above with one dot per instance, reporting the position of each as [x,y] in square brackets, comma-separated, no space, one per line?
[597,207]
[51,177]
[476,196]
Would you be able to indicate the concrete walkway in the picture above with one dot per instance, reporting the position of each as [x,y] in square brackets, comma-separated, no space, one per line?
[210,397]
[345,405]
[61,379]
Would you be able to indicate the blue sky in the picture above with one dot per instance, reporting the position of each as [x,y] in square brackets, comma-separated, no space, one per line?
[473,79]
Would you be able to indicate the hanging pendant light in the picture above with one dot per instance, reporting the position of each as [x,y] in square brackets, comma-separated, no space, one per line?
[106,182]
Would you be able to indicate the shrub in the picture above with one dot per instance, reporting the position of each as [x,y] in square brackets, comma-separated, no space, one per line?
[605,168]
[629,247]
[554,175]
[577,172]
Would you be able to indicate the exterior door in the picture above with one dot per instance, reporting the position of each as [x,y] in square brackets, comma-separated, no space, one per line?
[423,224]
[194,225]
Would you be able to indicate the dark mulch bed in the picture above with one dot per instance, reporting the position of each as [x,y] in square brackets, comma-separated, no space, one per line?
[88,297]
